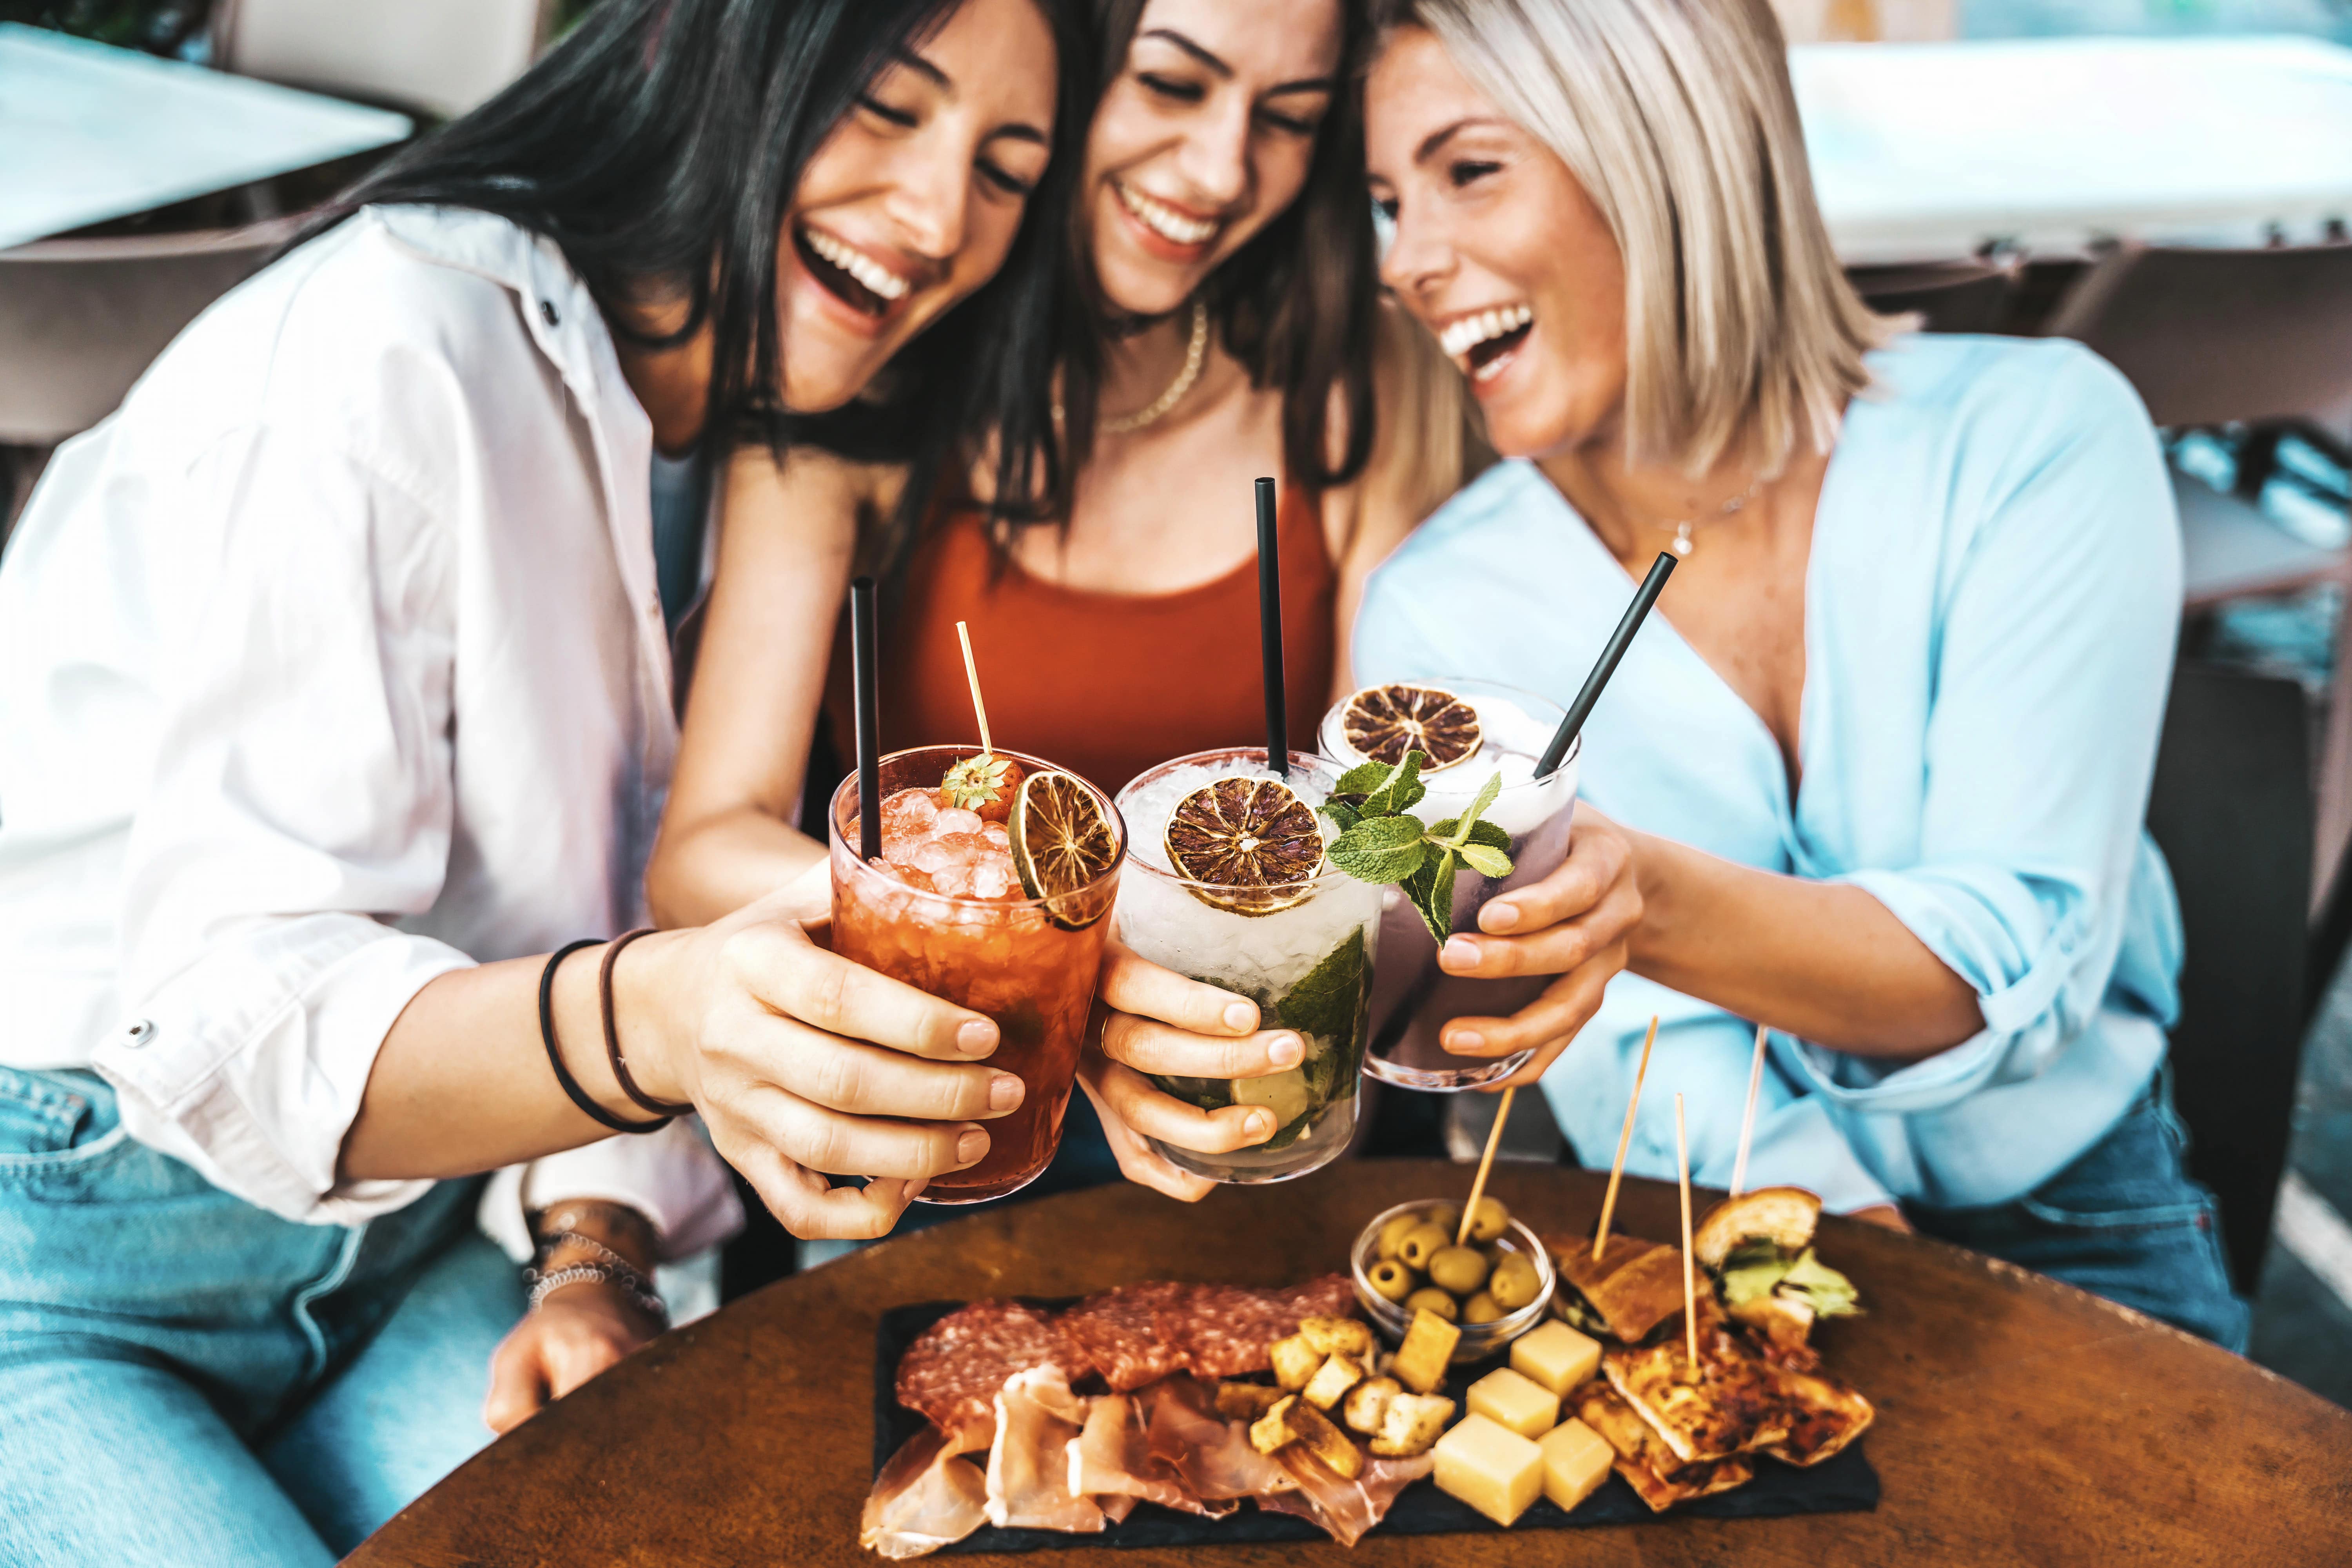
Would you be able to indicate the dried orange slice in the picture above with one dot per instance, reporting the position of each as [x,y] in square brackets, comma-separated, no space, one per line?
[1384,723]
[1251,844]
[1062,844]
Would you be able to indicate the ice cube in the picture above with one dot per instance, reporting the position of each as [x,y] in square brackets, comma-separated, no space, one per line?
[992,878]
[955,819]
[996,833]
[908,813]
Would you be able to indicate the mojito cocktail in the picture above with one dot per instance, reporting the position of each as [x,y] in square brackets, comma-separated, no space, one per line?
[1227,884]
[995,874]
[1470,732]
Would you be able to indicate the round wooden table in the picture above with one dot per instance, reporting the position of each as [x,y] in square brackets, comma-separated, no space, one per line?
[2019,1420]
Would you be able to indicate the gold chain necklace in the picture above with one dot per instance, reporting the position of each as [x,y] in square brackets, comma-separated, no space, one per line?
[1195,353]
[1683,543]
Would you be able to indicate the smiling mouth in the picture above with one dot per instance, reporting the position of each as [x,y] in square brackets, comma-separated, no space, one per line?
[1163,220]
[1479,343]
[849,274]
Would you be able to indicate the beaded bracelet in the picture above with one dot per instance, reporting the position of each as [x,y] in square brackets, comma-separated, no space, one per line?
[631,1283]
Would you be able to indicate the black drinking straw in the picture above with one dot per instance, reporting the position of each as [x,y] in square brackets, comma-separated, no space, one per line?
[1572,723]
[869,739]
[1269,621]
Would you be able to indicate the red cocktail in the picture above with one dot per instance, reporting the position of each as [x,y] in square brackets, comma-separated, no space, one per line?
[955,907]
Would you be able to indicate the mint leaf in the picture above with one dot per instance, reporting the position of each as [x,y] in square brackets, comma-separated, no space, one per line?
[1403,788]
[1485,861]
[1380,849]
[1342,815]
[1491,836]
[1329,998]
[1431,888]
[1494,786]
[1363,778]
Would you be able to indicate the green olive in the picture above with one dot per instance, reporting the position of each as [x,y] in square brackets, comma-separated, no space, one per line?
[1460,1270]
[1489,1219]
[1428,1298]
[1515,1282]
[1391,1279]
[1422,1243]
[1392,1233]
[1446,1218]
[1481,1309]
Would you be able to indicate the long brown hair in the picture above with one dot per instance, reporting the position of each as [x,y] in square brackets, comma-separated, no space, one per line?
[1295,305]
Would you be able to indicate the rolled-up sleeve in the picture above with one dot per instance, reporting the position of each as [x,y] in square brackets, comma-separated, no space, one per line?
[301,807]
[2055,638]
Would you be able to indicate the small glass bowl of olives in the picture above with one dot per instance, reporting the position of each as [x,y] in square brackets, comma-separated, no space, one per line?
[1495,1288]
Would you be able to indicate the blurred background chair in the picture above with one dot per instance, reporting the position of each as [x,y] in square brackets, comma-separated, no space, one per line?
[1970,296]
[442,57]
[2254,342]
[2232,808]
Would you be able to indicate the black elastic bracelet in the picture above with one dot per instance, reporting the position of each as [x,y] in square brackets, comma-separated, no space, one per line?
[643,1100]
[588,1106]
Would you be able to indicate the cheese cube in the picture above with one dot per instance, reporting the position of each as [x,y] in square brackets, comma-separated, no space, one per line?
[1576,1461]
[1421,1361]
[1556,1356]
[1510,1401]
[1494,1470]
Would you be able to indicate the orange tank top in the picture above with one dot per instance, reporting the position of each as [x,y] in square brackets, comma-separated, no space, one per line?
[1106,685]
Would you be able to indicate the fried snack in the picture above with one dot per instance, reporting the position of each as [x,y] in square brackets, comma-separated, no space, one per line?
[1247,1400]
[1349,1337]
[1411,1423]
[1368,1405]
[1824,1415]
[1272,1430]
[1428,1349]
[1729,1403]
[1294,1362]
[1331,1382]
[1783,1216]
[1636,1286]
[1649,1466]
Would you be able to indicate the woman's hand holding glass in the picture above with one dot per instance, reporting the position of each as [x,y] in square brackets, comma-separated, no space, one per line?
[1574,923]
[1154,1020]
[804,1064]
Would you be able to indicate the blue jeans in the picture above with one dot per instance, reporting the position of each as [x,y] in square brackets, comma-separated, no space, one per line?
[186,1380]
[2124,1221]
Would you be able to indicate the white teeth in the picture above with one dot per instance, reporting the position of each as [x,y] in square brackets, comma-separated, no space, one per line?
[1471,331]
[1162,219]
[858,264]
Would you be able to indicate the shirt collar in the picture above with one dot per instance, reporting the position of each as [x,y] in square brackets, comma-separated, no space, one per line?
[560,312]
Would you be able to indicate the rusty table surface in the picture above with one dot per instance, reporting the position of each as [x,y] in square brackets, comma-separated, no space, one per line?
[2020,1420]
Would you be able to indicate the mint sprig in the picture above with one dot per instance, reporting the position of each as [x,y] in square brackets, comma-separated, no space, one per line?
[1379,843]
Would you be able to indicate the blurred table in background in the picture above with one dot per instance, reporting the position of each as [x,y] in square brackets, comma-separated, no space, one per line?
[90,133]
[1925,152]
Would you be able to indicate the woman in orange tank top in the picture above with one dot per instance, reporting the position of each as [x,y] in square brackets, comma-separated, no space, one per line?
[1227,326]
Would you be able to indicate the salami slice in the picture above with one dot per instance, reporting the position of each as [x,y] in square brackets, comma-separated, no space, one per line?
[1126,1333]
[1226,1331]
[953,1373]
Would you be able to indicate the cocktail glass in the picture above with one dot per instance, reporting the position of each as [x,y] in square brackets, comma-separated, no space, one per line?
[1308,967]
[1413,998]
[1029,963]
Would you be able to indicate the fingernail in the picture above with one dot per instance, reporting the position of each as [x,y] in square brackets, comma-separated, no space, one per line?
[977,1037]
[1003,1092]
[1462,1040]
[1499,917]
[1240,1016]
[1460,951]
[1261,1124]
[972,1146]
[1287,1052]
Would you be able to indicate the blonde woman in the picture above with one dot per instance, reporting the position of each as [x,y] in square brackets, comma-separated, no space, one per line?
[1884,755]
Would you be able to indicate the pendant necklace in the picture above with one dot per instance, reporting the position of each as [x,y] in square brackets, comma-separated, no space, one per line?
[1683,543]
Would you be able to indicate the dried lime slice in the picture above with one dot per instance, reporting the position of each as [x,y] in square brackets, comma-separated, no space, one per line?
[1063,845]
[1251,844]
[1384,723]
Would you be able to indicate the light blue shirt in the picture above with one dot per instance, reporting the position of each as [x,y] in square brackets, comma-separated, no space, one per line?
[1990,609]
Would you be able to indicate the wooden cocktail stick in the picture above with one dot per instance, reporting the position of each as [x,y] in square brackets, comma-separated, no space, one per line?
[1747,1121]
[1690,1275]
[971,673]
[1624,1140]
[1486,1164]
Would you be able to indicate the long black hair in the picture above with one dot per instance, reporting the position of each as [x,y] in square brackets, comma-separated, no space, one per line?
[659,146]
[1295,305]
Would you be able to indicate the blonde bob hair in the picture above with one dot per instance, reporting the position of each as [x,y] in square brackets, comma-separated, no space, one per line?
[1677,118]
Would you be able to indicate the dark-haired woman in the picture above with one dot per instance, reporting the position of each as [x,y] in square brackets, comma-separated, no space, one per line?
[334,696]
[1225,325]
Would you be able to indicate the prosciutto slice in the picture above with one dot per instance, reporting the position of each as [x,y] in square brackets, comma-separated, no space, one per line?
[1037,1418]
[1343,1508]
[927,1496]
[1211,1454]
[1112,1458]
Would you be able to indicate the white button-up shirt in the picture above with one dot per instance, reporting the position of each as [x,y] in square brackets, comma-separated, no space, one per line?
[330,663]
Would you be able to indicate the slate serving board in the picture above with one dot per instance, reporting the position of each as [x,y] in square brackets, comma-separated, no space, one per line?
[1846,1484]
